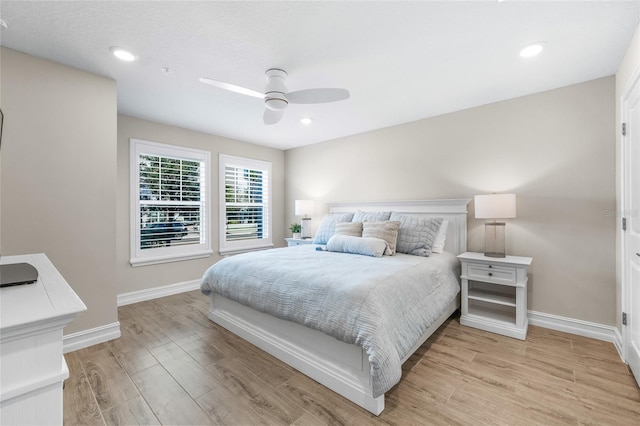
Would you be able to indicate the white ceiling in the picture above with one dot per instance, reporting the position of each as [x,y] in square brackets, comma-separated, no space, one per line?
[401,61]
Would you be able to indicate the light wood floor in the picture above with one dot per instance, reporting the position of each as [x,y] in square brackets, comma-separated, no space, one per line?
[173,366]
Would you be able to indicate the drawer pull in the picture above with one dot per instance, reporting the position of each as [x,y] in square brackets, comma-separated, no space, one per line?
[490,266]
[490,274]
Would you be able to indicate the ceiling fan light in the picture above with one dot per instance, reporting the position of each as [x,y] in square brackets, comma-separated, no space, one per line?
[275,103]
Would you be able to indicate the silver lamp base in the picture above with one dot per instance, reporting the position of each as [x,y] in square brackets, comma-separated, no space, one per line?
[306,228]
[494,239]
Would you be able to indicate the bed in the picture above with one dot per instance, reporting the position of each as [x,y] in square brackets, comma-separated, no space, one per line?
[356,351]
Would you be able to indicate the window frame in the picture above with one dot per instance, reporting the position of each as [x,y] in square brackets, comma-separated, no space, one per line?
[241,246]
[152,256]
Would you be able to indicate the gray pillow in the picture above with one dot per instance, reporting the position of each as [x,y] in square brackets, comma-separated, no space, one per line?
[328,226]
[357,245]
[361,216]
[386,230]
[416,234]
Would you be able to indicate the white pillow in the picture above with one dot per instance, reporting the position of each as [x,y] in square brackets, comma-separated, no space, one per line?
[357,245]
[328,226]
[441,238]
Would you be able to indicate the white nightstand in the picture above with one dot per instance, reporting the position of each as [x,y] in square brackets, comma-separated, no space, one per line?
[494,293]
[298,241]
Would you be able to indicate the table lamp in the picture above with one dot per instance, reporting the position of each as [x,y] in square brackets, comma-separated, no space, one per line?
[495,206]
[305,208]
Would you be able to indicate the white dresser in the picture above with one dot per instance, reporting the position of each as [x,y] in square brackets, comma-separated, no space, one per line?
[32,367]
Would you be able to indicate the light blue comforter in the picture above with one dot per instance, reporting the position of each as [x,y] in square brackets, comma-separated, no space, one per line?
[381,304]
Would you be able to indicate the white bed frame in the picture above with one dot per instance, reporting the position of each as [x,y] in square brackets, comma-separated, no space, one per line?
[342,367]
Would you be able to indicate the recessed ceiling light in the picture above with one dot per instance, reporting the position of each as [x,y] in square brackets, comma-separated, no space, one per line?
[122,54]
[306,121]
[532,50]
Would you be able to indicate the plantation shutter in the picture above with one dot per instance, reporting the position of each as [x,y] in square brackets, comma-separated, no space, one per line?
[246,192]
[171,202]
[245,204]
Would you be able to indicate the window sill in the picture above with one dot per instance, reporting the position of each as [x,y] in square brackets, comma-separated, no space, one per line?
[145,261]
[239,250]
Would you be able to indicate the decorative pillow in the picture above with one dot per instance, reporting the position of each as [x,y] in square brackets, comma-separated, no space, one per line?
[387,231]
[361,216]
[416,234]
[357,245]
[441,238]
[349,228]
[328,226]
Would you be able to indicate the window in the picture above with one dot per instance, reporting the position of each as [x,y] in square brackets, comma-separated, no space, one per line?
[170,206]
[245,204]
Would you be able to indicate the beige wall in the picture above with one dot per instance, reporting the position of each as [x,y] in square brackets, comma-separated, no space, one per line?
[629,68]
[555,150]
[59,176]
[146,277]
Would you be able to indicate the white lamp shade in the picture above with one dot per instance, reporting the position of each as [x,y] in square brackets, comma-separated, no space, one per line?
[305,207]
[495,206]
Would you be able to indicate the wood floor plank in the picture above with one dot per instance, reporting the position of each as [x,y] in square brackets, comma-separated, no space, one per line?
[200,350]
[184,369]
[266,400]
[324,404]
[265,366]
[79,403]
[171,404]
[224,408]
[130,353]
[307,420]
[146,332]
[599,407]
[493,407]
[110,383]
[431,386]
[556,399]
[132,412]
[612,385]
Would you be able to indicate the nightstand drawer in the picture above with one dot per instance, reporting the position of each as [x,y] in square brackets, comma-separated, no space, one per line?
[298,241]
[492,273]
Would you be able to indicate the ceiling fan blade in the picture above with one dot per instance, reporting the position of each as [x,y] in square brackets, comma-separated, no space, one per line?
[232,87]
[317,96]
[272,117]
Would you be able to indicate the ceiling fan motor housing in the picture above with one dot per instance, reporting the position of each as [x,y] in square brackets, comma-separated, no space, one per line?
[274,97]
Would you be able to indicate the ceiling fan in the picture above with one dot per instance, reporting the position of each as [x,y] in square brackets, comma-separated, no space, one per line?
[277,97]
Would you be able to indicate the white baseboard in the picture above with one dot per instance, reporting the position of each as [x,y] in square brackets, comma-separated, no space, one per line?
[618,344]
[86,338]
[608,333]
[157,292]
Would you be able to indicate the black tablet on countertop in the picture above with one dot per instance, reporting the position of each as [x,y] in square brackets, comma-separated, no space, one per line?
[17,274]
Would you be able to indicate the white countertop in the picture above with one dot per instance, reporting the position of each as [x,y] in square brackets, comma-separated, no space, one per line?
[46,300]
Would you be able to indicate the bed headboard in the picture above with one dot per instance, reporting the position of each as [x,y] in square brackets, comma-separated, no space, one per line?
[454,210]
